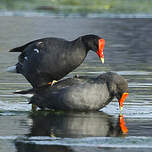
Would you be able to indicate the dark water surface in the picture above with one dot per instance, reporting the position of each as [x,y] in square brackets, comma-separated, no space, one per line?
[127,52]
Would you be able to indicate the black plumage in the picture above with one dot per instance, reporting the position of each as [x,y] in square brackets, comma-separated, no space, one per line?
[82,93]
[44,60]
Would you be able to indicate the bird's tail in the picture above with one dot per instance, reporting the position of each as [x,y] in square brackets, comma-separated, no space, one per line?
[29,91]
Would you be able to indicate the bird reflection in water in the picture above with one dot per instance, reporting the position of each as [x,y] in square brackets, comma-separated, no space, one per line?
[78,124]
[122,125]
[70,125]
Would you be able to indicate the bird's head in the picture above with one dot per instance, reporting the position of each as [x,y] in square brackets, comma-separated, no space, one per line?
[117,85]
[96,44]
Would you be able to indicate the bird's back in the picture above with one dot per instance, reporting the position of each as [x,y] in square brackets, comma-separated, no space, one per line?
[51,59]
[74,94]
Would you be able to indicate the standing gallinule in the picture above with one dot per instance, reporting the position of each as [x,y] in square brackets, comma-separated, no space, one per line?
[44,60]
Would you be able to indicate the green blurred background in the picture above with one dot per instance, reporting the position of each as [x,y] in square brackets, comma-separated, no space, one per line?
[79,6]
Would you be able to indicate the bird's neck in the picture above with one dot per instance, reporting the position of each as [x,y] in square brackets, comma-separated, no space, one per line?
[87,41]
[80,45]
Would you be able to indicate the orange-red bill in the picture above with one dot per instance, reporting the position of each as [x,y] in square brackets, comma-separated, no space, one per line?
[123,98]
[123,127]
[101,44]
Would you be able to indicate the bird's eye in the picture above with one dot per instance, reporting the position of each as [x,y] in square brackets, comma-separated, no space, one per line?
[25,58]
[36,50]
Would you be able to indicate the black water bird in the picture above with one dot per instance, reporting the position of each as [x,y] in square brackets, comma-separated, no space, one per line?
[44,60]
[82,93]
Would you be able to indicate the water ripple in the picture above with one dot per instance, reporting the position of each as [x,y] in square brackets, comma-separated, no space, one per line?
[131,142]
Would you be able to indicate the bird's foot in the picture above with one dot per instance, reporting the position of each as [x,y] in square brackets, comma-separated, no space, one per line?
[52,134]
[53,82]
[34,107]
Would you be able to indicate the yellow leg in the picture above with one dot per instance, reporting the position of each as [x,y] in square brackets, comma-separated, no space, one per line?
[34,107]
[53,82]
[52,133]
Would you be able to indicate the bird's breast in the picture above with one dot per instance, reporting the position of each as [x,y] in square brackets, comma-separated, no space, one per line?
[91,96]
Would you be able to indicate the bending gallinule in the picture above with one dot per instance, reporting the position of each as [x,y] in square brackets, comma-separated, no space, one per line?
[82,93]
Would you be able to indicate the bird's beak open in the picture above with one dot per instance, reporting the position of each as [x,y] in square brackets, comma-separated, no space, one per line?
[121,101]
[101,44]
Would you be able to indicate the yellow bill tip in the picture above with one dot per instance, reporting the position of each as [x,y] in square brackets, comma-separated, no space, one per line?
[121,108]
[102,60]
